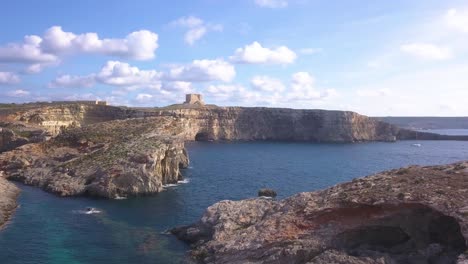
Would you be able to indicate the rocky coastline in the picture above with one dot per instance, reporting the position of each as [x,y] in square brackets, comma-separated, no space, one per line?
[409,215]
[75,149]
[8,195]
[111,159]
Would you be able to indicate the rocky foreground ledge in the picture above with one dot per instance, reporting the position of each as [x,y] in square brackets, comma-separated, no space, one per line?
[410,215]
[110,159]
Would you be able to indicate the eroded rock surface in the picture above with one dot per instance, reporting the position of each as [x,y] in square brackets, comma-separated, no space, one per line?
[109,159]
[409,215]
[8,194]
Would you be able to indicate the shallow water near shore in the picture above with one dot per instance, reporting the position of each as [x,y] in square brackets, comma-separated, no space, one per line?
[49,229]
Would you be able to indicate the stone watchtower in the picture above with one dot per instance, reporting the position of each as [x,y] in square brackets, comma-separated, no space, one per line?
[194,99]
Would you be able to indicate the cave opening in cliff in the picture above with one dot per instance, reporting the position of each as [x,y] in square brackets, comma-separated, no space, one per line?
[203,136]
[411,235]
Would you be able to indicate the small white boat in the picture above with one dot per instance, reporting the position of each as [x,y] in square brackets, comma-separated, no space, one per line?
[416,145]
[91,210]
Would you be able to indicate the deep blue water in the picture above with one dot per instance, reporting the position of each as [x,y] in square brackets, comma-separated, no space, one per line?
[49,229]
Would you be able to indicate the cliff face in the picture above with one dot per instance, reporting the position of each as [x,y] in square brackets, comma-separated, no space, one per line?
[225,123]
[109,159]
[8,194]
[237,123]
[54,117]
[409,215]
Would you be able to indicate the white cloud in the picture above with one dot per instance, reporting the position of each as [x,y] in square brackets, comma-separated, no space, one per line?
[457,20]
[27,52]
[138,45]
[69,81]
[197,28]
[267,84]
[310,51]
[113,73]
[203,71]
[272,3]
[256,54]
[9,78]
[177,78]
[142,97]
[18,93]
[122,74]
[56,43]
[268,91]
[302,87]
[427,51]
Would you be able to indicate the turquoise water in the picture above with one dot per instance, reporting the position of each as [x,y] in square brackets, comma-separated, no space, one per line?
[49,229]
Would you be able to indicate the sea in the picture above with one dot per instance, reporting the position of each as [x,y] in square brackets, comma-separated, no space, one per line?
[52,230]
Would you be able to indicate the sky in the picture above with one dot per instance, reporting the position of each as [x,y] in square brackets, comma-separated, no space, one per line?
[378,58]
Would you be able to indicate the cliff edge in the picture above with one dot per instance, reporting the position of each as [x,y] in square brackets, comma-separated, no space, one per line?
[8,194]
[409,215]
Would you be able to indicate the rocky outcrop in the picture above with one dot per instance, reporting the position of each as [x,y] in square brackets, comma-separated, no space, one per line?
[110,159]
[8,194]
[409,215]
[14,135]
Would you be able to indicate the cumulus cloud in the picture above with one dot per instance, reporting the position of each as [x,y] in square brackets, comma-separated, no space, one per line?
[113,73]
[256,54]
[267,84]
[272,3]
[302,87]
[27,52]
[197,28]
[427,51]
[269,91]
[9,78]
[55,43]
[18,93]
[177,78]
[138,45]
[457,20]
[122,74]
[203,71]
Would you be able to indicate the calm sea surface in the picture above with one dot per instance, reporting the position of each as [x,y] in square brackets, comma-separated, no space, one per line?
[48,229]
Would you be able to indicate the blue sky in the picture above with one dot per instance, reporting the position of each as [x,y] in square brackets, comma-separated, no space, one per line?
[373,57]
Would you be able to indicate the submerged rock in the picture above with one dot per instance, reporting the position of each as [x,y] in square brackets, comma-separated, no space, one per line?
[267,193]
[411,215]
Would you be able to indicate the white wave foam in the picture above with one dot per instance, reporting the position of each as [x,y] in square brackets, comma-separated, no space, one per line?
[94,211]
[183,181]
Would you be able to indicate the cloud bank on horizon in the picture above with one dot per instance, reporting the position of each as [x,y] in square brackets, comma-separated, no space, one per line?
[407,58]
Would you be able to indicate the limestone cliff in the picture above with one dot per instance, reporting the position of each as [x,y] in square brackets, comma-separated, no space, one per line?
[225,123]
[8,194]
[54,117]
[410,215]
[242,123]
[110,159]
